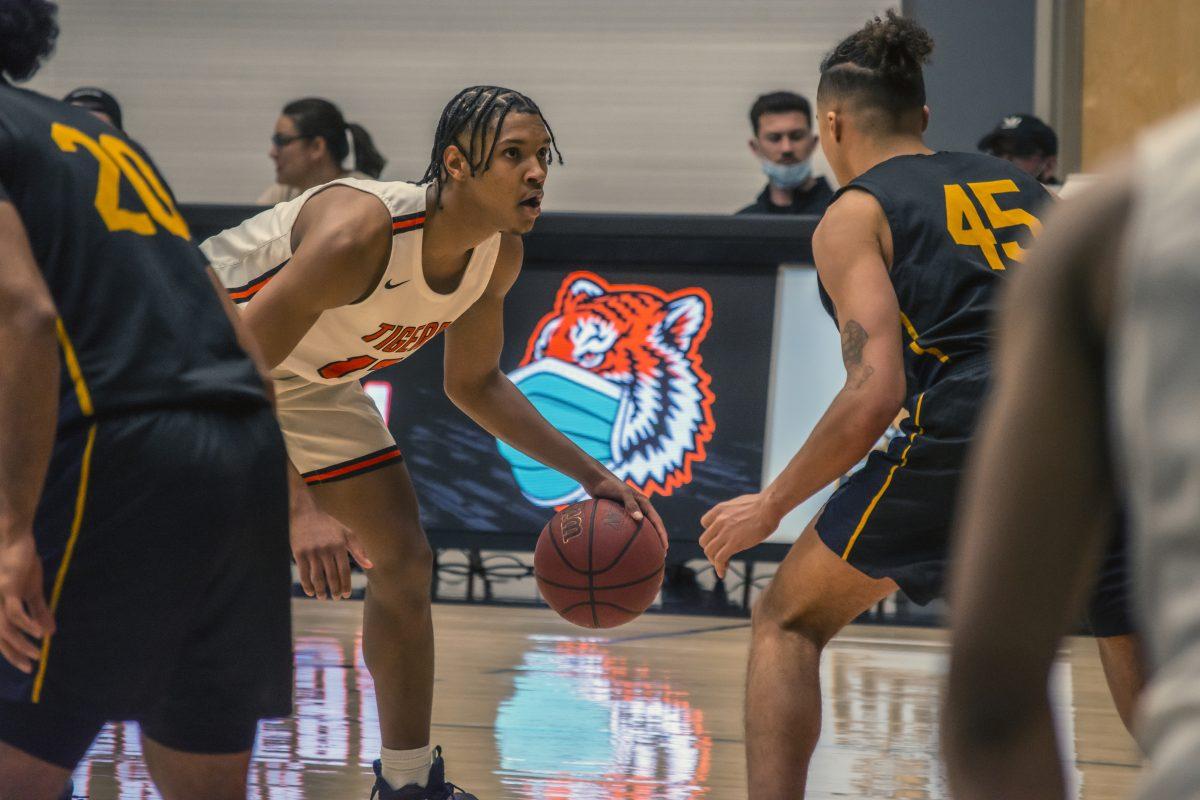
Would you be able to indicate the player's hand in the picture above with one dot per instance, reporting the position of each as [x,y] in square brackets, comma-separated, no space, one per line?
[320,544]
[637,505]
[24,616]
[734,526]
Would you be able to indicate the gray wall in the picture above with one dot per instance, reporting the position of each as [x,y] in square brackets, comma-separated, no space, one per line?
[649,99]
[983,65]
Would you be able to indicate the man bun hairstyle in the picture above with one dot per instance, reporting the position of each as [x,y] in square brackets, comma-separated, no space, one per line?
[321,119]
[880,66]
[28,32]
[466,122]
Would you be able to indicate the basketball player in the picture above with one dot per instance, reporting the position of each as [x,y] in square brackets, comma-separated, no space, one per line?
[352,277]
[1107,419]
[143,492]
[909,255]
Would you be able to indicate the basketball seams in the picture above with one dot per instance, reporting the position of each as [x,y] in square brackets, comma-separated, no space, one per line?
[604,603]
[624,549]
[556,585]
[591,580]
[657,571]
[557,549]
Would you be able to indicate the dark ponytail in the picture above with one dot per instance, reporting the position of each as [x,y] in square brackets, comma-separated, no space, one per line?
[319,118]
[881,64]
[366,158]
[28,31]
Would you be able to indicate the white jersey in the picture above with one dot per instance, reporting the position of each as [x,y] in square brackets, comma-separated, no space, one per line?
[1155,383]
[399,315]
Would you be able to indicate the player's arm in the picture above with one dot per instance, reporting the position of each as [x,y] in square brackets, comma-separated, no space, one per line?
[28,414]
[474,382]
[341,241]
[848,251]
[1037,510]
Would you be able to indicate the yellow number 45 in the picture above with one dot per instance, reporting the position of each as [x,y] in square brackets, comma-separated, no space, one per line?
[967,228]
[117,158]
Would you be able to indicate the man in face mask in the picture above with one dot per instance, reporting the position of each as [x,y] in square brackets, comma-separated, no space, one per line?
[783,143]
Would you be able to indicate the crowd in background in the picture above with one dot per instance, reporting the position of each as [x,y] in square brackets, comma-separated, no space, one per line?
[312,141]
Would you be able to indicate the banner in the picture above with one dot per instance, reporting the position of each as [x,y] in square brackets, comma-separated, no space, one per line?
[660,375]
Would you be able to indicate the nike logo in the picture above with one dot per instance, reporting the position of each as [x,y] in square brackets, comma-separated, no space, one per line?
[390,285]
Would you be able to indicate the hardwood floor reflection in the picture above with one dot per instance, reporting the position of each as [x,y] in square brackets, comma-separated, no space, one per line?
[530,708]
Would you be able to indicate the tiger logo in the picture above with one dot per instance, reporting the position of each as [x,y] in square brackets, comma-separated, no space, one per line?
[617,368]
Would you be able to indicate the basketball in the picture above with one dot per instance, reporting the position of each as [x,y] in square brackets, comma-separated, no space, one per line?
[597,566]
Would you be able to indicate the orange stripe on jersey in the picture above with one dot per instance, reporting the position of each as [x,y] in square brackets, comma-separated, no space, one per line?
[351,468]
[408,222]
[242,294]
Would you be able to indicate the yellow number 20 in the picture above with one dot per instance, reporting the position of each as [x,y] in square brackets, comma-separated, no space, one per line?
[117,158]
[966,226]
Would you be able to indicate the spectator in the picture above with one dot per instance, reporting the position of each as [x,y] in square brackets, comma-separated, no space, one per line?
[783,143]
[309,146]
[97,101]
[1027,142]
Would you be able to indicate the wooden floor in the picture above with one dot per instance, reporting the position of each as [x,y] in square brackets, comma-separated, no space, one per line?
[530,707]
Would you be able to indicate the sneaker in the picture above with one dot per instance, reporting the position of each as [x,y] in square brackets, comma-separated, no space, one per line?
[435,789]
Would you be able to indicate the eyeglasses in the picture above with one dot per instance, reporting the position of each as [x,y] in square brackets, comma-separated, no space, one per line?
[279,140]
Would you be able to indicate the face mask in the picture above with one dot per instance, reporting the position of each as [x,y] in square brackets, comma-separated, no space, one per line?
[581,405]
[787,176]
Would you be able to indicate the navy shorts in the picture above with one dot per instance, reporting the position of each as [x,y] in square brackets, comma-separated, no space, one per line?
[164,540]
[892,518]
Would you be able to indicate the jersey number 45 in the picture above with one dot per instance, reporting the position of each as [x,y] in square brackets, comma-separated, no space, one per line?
[966,226]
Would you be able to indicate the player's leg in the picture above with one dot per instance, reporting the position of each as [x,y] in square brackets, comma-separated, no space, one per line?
[380,507]
[24,777]
[39,746]
[233,663]
[813,595]
[1109,615]
[181,775]
[1124,671]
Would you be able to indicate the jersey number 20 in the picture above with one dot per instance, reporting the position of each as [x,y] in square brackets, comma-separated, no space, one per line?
[116,158]
[967,228]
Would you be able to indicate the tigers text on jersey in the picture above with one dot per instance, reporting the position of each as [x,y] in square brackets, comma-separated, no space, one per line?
[398,316]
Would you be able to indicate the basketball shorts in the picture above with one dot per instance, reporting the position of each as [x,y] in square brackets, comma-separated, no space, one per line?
[332,431]
[164,543]
[892,518]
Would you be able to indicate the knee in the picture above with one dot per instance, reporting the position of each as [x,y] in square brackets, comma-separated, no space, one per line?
[773,617]
[403,576]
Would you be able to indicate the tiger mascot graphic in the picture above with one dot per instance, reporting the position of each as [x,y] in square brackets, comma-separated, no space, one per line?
[617,368]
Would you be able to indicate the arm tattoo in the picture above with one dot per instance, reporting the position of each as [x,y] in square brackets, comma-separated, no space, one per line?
[854,339]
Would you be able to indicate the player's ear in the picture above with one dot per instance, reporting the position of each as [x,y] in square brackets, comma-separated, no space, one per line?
[455,163]
[754,148]
[924,118]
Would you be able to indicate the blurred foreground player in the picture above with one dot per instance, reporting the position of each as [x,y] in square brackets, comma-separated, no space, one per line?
[350,278]
[910,256]
[143,492]
[1107,419]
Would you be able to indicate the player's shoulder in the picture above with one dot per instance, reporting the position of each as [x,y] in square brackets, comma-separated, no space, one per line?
[852,209]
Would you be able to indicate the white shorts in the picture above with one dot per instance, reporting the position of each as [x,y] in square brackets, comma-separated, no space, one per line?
[332,431]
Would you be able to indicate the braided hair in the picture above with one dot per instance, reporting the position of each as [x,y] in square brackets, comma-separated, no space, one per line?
[466,122]
[880,66]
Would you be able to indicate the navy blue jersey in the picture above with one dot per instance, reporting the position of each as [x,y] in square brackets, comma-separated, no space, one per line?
[141,326]
[959,222]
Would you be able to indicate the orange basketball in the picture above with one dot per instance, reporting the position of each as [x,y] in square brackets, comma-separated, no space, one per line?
[597,566]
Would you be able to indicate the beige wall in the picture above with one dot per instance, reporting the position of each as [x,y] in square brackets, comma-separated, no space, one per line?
[1141,63]
[648,97]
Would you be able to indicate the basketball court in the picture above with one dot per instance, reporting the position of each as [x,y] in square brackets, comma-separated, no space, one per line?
[530,707]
